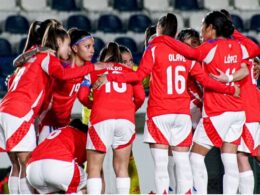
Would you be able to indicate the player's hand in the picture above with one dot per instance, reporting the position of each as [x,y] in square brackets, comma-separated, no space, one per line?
[256,68]
[102,79]
[102,65]
[7,80]
[222,77]
[237,91]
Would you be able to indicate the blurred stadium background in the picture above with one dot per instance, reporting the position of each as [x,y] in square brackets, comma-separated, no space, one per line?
[123,21]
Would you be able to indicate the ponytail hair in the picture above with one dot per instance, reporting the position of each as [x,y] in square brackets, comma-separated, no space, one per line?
[52,33]
[36,32]
[111,53]
[168,24]
[33,37]
[223,26]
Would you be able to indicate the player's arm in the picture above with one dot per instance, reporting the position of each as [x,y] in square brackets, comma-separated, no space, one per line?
[54,68]
[139,95]
[24,57]
[84,91]
[252,48]
[237,76]
[197,53]
[210,83]
[145,68]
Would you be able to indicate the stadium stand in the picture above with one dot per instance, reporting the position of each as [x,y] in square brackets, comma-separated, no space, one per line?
[5,47]
[32,5]
[138,23]
[246,4]
[80,22]
[16,24]
[110,24]
[189,5]
[126,5]
[128,42]
[8,5]
[238,22]
[66,5]
[255,23]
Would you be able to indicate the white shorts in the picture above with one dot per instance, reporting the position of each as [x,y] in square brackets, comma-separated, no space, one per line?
[195,114]
[44,133]
[17,134]
[250,138]
[169,129]
[117,133]
[49,176]
[226,127]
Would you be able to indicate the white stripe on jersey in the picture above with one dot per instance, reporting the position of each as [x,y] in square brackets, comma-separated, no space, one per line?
[210,55]
[45,64]
[244,52]
[153,53]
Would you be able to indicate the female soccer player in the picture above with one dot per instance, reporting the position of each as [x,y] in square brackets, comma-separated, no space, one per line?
[111,122]
[168,110]
[57,112]
[24,99]
[55,165]
[217,52]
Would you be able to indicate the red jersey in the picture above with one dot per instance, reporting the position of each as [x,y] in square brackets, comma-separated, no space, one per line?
[168,84]
[66,144]
[224,54]
[113,100]
[250,95]
[57,112]
[33,80]
[195,91]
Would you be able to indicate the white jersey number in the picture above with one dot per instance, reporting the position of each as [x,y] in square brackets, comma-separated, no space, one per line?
[179,83]
[230,72]
[115,85]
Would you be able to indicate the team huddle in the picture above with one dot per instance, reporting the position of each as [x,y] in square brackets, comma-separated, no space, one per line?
[203,94]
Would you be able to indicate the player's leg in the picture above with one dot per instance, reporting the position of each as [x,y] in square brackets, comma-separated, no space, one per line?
[24,186]
[160,157]
[201,146]
[246,176]
[120,164]
[133,174]
[229,160]
[231,139]
[13,181]
[95,163]
[171,171]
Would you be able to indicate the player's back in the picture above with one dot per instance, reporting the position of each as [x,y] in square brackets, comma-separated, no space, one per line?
[226,56]
[66,144]
[168,85]
[113,100]
[27,88]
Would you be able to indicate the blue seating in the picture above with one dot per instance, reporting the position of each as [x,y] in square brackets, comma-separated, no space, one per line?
[238,22]
[6,65]
[186,5]
[126,5]
[5,47]
[138,23]
[64,5]
[16,24]
[255,23]
[99,45]
[21,45]
[137,58]
[128,42]
[109,23]
[80,22]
